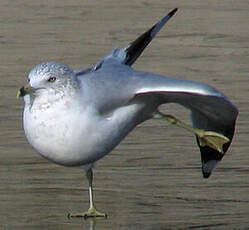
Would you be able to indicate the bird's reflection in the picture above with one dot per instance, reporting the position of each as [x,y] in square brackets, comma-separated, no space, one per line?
[91,222]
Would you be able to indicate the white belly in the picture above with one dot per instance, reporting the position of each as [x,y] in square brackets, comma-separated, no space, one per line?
[76,139]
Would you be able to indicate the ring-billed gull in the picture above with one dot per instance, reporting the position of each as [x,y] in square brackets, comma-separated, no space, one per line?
[74,118]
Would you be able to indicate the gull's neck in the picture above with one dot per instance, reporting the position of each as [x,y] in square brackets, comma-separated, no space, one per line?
[47,98]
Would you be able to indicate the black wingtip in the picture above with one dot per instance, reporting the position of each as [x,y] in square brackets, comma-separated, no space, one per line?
[210,155]
[171,13]
[206,175]
[135,49]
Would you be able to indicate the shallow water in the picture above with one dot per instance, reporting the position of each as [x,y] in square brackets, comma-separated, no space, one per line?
[152,180]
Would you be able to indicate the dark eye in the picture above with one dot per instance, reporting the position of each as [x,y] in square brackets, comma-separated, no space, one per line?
[52,79]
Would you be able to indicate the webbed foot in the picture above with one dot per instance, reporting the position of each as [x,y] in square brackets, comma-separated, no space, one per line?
[211,139]
[91,213]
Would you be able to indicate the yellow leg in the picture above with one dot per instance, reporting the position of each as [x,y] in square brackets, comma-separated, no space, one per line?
[92,212]
[206,138]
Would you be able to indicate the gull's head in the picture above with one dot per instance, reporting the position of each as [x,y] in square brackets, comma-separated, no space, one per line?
[50,79]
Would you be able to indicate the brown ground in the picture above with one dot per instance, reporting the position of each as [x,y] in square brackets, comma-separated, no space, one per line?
[152,180]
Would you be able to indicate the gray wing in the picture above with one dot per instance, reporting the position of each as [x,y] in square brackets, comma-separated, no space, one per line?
[210,110]
[129,54]
[120,84]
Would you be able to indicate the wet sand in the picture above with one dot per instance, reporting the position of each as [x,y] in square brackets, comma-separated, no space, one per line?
[152,180]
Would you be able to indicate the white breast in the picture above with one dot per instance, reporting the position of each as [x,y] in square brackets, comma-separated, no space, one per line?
[58,133]
[68,136]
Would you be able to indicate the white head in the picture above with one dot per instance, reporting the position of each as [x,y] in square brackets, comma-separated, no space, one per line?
[49,82]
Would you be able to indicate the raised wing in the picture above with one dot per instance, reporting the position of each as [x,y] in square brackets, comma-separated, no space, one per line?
[210,110]
[129,54]
[135,49]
